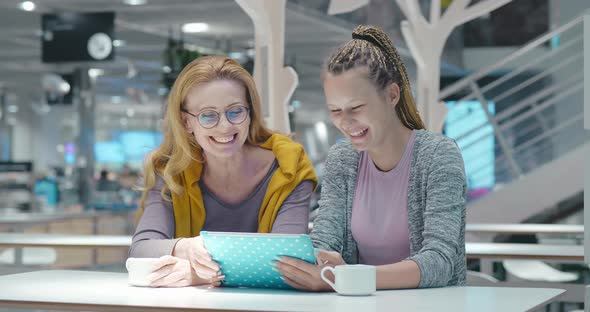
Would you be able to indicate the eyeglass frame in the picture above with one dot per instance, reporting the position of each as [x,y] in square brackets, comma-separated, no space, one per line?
[218,115]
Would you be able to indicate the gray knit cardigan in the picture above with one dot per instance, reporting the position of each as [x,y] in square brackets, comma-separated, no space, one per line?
[436,208]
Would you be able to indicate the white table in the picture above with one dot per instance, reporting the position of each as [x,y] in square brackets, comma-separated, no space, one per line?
[501,251]
[64,240]
[100,291]
[525,228]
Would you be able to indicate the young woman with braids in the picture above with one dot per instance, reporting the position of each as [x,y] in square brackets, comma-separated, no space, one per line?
[218,169]
[392,196]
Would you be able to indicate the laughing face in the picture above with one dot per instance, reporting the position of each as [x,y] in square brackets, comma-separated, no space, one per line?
[217,114]
[358,109]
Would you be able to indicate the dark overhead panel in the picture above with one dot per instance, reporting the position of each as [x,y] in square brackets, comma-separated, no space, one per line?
[76,37]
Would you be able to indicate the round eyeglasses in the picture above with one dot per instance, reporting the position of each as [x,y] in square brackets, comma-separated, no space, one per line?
[210,118]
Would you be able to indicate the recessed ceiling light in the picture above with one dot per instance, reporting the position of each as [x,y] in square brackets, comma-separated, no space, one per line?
[27,6]
[195,27]
[134,2]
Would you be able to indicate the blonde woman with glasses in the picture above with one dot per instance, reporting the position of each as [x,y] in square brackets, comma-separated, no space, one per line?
[218,169]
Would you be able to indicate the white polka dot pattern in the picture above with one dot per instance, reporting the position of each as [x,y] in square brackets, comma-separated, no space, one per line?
[245,258]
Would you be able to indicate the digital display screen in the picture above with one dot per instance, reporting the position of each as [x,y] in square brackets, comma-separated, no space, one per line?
[127,146]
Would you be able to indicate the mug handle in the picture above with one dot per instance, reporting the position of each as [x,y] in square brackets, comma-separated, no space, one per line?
[325,279]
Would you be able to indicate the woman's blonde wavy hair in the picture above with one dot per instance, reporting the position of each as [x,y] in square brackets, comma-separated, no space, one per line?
[179,148]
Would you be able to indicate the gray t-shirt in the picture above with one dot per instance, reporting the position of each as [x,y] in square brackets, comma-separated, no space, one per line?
[154,236]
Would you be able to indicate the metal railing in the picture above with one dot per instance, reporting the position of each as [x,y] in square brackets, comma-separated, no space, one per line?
[537,95]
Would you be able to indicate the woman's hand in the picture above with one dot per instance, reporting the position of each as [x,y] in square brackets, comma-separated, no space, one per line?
[193,250]
[329,257]
[306,276]
[172,271]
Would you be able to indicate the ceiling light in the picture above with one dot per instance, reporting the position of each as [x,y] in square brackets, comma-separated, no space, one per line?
[27,6]
[135,2]
[64,87]
[195,27]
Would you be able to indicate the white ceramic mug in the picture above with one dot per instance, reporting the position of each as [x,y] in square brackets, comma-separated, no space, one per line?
[139,269]
[352,280]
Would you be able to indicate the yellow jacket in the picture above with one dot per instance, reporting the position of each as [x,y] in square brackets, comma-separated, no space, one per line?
[294,167]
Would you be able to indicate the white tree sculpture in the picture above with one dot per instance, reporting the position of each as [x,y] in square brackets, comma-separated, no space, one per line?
[344,6]
[275,82]
[426,41]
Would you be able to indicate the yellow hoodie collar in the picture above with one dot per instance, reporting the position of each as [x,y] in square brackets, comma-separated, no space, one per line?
[286,152]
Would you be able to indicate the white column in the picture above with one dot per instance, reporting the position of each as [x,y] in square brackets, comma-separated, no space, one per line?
[24,137]
[587,127]
[345,6]
[275,82]
[5,129]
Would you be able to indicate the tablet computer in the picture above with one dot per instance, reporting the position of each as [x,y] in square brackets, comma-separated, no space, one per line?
[245,258]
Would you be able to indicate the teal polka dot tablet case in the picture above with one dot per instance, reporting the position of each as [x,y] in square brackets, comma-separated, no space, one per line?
[245,258]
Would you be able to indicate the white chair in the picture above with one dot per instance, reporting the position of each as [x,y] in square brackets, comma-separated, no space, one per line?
[537,271]
[30,256]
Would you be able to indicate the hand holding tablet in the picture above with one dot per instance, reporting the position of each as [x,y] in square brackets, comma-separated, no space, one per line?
[245,258]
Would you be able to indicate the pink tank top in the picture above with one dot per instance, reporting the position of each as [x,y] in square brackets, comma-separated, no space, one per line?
[380,210]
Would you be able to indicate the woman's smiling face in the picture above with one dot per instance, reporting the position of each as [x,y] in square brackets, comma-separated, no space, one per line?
[219,96]
[358,109]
